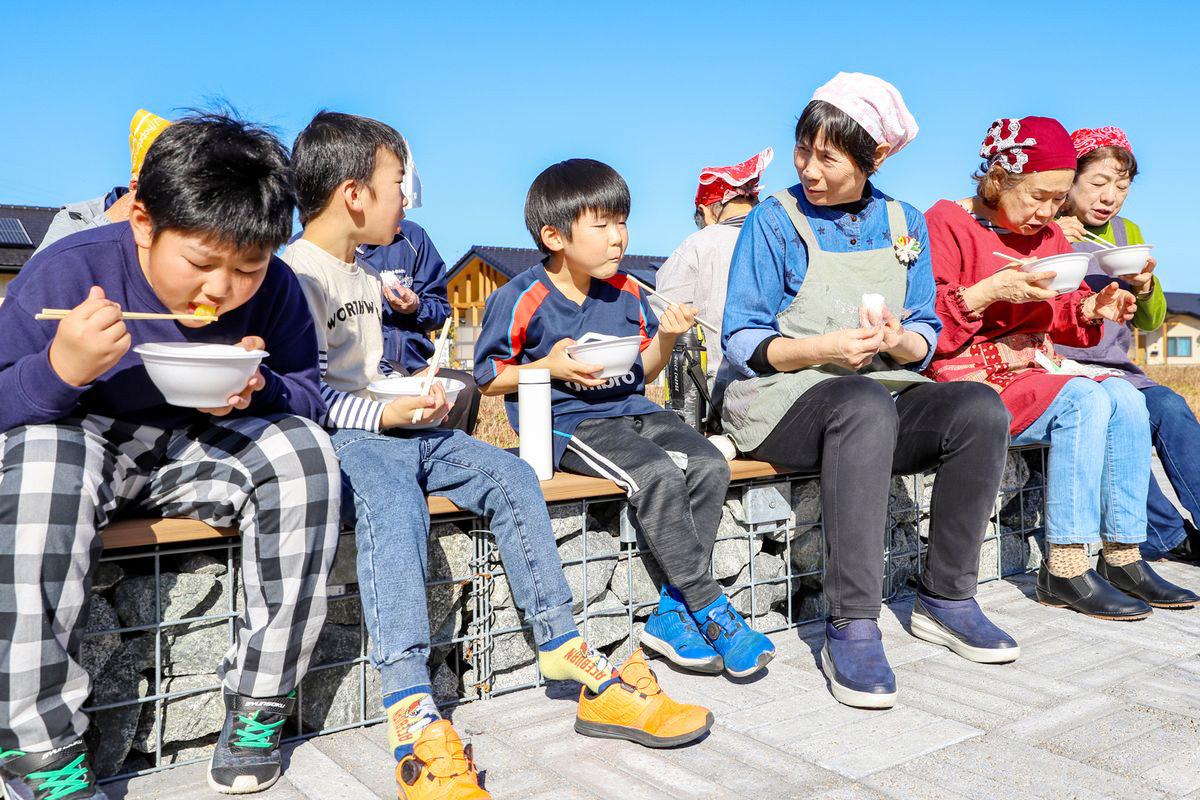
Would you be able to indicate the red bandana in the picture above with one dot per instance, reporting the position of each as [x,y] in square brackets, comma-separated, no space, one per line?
[1029,144]
[1088,139]
[722,184]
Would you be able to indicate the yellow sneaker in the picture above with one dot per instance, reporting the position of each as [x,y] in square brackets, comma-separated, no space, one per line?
[440,768]
[638,710]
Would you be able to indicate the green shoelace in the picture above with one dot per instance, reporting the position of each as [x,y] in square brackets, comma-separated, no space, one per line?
[60,782]
[254,733]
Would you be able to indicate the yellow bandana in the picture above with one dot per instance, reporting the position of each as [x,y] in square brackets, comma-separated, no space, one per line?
[144,128]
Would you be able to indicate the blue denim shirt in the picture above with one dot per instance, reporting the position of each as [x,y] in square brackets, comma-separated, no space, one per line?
[770,261]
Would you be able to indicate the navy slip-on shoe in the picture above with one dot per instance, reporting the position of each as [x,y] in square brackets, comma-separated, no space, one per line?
[857,668]
[961,626]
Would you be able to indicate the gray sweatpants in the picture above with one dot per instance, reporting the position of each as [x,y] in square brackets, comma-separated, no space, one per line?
[660,461]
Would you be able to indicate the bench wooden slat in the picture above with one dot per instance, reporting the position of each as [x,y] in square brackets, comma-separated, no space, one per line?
[563,486]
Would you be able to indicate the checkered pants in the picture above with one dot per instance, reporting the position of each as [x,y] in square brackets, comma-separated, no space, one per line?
[275,478]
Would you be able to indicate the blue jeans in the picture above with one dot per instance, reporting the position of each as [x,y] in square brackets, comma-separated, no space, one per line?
[388,477]
[1099,437]
[1176,437]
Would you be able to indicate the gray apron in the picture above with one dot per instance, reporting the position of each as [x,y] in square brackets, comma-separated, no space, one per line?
[833,285]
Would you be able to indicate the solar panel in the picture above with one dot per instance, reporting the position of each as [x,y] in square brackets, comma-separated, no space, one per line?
[12,233]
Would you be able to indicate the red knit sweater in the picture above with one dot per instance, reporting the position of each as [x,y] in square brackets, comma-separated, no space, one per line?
[999,347]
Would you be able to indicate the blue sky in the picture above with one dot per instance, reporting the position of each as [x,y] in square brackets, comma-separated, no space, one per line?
[489,95]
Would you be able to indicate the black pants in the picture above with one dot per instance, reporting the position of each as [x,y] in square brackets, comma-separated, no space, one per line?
[465,411]
[858,436]
[659,460]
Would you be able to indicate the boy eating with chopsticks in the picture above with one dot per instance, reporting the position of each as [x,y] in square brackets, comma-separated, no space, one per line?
[349,171]
[576,212]
[85,435]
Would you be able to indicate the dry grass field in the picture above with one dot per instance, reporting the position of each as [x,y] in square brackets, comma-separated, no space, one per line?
[494,428]
[1185,380]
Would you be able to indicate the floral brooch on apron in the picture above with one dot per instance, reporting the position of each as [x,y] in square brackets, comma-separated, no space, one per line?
[907,249]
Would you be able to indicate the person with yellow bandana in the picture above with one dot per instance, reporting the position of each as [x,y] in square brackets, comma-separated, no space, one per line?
[144,128]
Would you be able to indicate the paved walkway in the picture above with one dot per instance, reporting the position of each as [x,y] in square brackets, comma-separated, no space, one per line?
[1091,710]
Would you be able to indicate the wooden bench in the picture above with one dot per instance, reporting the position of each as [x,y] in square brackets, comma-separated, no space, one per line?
[562,487]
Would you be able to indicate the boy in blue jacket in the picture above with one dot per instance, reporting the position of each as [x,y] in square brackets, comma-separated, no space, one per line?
[576,212]
[85,436]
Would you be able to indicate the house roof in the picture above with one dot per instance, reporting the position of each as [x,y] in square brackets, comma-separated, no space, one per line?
[512,261]
[35,220]
[1183,303]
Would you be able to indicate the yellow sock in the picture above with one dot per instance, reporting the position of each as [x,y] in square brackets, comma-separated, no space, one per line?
[407,717]
[573,660]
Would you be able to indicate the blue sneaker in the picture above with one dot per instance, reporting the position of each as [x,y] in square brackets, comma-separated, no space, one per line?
[744,650]
[671,632]
[855,665]
[961,626]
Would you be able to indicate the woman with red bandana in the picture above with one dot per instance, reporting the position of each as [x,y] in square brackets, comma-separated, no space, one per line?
[1000,328]
[1104,171]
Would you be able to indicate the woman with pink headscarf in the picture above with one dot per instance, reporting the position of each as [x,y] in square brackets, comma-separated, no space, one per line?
[1105,169]
[829,319]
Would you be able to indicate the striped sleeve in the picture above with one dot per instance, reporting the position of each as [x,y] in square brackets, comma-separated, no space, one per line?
[346,410]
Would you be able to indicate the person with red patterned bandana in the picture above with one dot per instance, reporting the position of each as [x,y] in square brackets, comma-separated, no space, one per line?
[1001,328]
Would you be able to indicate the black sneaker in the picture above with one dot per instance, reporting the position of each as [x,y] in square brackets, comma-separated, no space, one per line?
[62,774]
[247,756]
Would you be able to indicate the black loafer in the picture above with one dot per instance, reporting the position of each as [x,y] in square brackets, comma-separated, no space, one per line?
[1189,549]
[1089,594]
[1138,580]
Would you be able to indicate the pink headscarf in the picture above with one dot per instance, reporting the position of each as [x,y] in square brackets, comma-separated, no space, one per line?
[1088,139]
[722,184]
[874,104]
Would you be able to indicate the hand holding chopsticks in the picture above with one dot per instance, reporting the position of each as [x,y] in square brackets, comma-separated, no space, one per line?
[427,385]
[671,302]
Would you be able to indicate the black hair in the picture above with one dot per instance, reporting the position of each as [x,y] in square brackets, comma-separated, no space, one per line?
[566,190]
[339,147]
[220,176]
[841,132]
[1124,158]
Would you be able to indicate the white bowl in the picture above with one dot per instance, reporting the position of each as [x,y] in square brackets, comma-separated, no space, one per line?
[1069,269]
[616,354]
[389,389]
[198,375]
[1120,261]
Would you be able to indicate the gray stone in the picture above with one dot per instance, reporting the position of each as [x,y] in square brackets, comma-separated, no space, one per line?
[335,644]
[989,560]
[808,551]
[623,649]
[902,503]
[450,555]
[108,574]
[334,697]
[566,519]
[181,595]
[1021,511]
[95,651]
[809,604]
[188,751]
[601,547]
[510,650]
[444,680]
[806,501]
[766,567]
[902,538]
[731,555]
[183,718]
[111,733]
[609,626]
[770,621]
[119,680]
[646,580]
[344,571]
[900,568]
[1016,473]
[203,564]
[344,611]
[195,648]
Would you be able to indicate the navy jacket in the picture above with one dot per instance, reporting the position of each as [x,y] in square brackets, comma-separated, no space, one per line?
[411,253]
